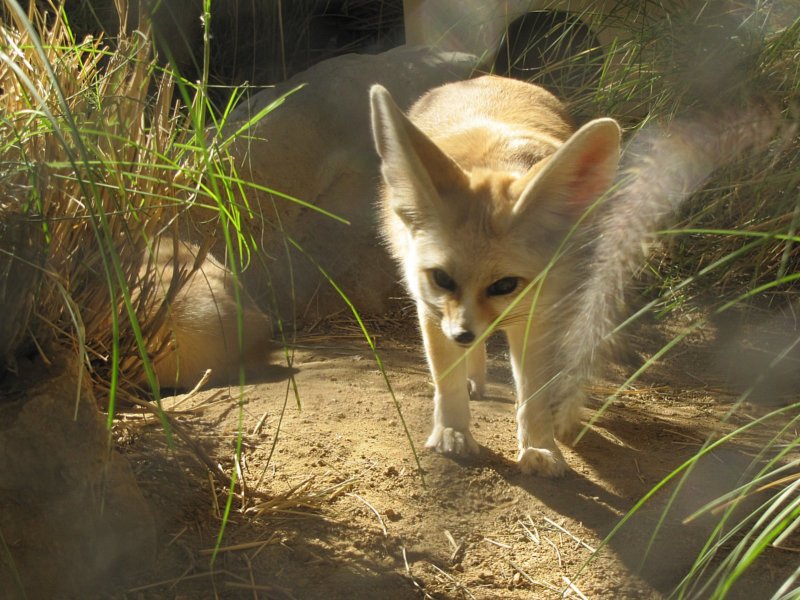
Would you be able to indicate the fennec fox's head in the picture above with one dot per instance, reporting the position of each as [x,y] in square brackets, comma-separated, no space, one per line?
[471,234]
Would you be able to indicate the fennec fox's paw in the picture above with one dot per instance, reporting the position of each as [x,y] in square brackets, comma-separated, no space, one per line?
[454,442]
[541,461]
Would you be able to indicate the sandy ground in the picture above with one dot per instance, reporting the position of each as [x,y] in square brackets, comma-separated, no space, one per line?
[336,508]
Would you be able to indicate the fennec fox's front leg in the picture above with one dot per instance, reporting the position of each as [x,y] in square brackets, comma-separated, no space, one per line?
[538,452]
[451,414]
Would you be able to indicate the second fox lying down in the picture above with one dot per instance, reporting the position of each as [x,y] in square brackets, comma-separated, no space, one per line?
[485,184]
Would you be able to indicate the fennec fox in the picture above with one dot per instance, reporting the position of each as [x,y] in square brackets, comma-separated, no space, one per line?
[200,326]
[483,182]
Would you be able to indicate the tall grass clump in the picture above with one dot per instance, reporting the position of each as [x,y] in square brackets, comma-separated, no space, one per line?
[98,162]
[77,140]
[709,94]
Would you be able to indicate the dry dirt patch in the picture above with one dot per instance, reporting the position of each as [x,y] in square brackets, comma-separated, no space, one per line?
[473,529]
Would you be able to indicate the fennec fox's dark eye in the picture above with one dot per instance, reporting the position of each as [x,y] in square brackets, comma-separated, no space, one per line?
[503,286]
[443,280]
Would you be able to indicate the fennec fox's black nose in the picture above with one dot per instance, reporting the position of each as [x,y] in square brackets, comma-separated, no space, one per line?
[465,337]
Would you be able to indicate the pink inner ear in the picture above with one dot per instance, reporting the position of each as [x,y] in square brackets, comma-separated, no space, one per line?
[591,177]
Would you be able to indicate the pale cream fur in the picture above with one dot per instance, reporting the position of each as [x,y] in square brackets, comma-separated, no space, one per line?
[200,328]
[482,182]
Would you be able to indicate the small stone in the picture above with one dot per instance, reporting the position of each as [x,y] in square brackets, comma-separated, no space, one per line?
[392,514]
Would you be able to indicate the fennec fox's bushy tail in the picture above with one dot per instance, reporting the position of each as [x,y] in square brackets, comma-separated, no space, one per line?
[490,206]
[660,170]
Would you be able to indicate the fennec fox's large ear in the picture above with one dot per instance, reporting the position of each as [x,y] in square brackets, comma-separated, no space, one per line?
[577,174]
[414,168]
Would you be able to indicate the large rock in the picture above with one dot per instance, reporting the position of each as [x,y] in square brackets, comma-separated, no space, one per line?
[317,146]
[71,514]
